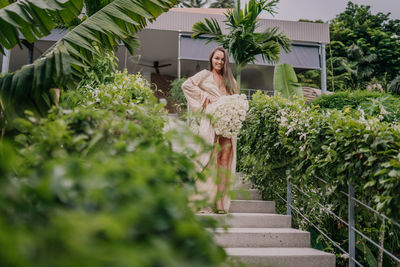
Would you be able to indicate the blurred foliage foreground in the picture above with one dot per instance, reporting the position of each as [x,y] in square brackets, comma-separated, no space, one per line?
[96,183]
[288,140]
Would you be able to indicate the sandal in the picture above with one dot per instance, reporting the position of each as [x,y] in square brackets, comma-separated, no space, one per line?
[220,211]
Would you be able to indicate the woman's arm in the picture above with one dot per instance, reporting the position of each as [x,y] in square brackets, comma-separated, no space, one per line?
[195,96]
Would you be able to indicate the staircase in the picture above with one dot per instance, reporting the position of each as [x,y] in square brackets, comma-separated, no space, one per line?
[256,236]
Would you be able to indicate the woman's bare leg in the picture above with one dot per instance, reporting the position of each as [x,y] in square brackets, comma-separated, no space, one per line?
[223,161]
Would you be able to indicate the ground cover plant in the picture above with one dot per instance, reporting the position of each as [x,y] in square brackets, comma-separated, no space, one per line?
[96,183]
[283,140]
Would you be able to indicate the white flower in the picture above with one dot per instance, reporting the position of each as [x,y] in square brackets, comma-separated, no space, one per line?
[228,113]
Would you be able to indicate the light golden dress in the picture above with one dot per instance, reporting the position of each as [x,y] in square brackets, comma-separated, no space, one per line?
[196,89]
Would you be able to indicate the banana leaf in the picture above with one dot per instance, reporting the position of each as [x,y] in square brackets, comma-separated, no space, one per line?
[63,64]
[286,83]
[34,19]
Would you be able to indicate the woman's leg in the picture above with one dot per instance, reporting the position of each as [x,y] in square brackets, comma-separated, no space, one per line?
[223,161]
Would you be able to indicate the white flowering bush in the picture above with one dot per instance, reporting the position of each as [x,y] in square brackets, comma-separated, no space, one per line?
[228,114]
[100,170]
[321,151]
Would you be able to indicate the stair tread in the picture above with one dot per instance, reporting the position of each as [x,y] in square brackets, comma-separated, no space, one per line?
[260,230]
[252,201]
[250,220]
[281,251]
[252,206]
[243,214]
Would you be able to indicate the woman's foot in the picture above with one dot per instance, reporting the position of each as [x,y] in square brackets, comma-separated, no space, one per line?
[220,211]
[219,207]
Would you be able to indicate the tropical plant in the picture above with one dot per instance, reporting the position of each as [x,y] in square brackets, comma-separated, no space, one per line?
[176,95]
[193,3]
[222,4]
[394,85]
[242,42]
[101,72]
[310,78]
[63,65]
[358,66]
[34,19]
[286,83]
[92,6]
[372,34]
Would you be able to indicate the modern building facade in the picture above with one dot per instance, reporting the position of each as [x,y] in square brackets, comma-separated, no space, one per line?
[167,49]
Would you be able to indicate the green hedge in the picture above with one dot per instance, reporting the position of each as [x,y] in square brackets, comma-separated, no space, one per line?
[382,105]
[282,139]
[96,183]
[339,100]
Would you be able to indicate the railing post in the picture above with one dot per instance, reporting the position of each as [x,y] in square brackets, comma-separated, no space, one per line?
[352,236]
[289,198]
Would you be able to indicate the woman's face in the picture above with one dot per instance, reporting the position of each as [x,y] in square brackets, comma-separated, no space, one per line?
[218,61]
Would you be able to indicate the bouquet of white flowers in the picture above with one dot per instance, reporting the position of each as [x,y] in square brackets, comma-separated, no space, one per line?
[228,114]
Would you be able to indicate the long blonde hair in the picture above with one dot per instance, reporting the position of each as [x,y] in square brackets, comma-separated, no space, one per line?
[227,75]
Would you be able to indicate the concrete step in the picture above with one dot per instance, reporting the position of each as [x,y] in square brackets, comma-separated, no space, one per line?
[282,257]
[252,206]
[240,184]
[246,194]
[252,220]
[262,237]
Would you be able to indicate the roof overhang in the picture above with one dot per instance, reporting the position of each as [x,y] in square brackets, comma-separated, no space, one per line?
[182,19]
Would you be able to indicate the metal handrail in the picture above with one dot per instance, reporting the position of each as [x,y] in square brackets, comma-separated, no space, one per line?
[249,90]
[350,224]
[322,206]
[319,230]
[365,205]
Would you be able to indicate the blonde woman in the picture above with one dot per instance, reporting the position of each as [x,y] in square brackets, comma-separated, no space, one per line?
[200,90]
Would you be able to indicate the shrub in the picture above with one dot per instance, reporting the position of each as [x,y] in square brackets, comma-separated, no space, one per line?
[382,105]
[283,140]
[339,100]
[176,95]
[96,183]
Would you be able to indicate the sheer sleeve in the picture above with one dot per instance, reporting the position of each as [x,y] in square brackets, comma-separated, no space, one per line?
[195,96]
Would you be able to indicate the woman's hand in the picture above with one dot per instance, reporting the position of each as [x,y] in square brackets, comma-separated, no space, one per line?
[206,102]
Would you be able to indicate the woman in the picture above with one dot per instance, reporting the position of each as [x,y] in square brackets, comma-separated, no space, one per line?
[201,90]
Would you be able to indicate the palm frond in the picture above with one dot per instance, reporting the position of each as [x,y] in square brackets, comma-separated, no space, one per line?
[210,27]
[394,85]
[63,64]
[34,19]
[222,4]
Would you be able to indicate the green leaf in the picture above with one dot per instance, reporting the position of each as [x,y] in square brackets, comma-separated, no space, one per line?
[34,19]
[370,184]
[63,64]
[285,82]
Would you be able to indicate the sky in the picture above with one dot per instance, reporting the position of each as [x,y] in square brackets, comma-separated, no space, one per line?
[328,9]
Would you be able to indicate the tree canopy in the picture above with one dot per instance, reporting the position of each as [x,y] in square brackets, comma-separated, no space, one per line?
[374,35]
[364,50]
